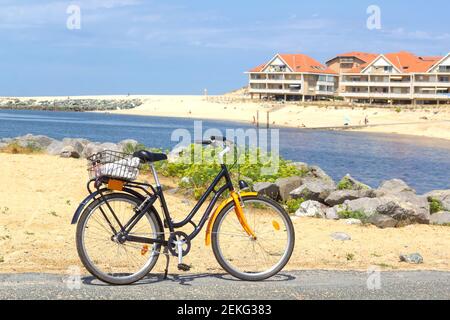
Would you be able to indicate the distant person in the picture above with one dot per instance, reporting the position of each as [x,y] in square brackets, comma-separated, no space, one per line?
[366,120]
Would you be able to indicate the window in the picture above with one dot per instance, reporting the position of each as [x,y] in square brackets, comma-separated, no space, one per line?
[444,68]
[388,69]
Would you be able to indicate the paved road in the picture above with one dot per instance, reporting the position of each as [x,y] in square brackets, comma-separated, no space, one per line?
[289,285]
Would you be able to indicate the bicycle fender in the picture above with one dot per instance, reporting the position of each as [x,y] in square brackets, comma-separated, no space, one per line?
[218,210]
[91,198]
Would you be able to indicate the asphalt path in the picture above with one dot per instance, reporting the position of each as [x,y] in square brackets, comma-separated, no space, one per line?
[288,285]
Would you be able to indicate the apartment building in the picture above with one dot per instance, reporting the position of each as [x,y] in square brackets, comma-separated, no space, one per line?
[292,77]
[395,78]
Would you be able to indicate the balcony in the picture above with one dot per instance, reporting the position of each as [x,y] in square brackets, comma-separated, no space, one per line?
[432,84]
[381,95]
[375,84]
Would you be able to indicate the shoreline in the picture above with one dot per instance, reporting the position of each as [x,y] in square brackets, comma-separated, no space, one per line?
[424,121]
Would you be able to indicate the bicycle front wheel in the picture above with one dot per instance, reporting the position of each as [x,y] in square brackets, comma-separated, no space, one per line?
[246,257]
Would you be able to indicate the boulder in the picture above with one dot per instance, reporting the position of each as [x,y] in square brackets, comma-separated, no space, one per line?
[394,186]
[311,208]
[340,196]
[340,236]
[90,149]
[267,189]
[317,172]
[350,183]
[352,221]
[314,189]
[302,166]
[39,141]
[414,258]
[286,185]
[406,207]
[77,144]
[69,152]
[367,205]
[55,148]
[442,195]
[332,213]
[128,143]
[440,218]
[382,221]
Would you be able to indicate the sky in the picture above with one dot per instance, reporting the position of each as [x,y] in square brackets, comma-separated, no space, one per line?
[185,47]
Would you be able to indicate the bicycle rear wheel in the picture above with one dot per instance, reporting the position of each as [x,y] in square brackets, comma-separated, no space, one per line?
[243,256]
[103,255]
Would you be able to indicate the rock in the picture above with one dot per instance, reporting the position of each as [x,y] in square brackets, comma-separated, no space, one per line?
[350,183]
[414,258]
[367,205]
[69,152]
[110,146]
[406,207]
[39,141]
[395,186]
[331,213]
[302,166]
[128,143]
[440,218]
[352,221]
[90,149]
[340,196]
[311,209]
[382,221]
[267,189]
[55,148]
[77,144]
[314,189]
[186,180]
[442,195]
[340,236]
[317,172]
[286,185]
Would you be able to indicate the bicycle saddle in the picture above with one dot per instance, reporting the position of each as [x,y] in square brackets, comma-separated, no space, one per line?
[147,156]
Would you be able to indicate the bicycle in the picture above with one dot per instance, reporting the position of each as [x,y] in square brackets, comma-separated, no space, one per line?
[120,234]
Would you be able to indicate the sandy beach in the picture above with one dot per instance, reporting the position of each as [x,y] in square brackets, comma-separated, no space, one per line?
[39,194]
[425,121]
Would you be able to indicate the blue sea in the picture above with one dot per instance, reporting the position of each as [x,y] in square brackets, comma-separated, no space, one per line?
[422,162]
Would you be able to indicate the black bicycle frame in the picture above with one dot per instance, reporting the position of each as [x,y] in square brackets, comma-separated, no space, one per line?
[149,201]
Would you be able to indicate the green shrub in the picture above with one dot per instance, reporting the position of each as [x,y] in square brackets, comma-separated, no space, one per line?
[131,147]
[202,169]
[292,205]
[344,184]
[435,205]
[398,109]
[348,214]
[16,148]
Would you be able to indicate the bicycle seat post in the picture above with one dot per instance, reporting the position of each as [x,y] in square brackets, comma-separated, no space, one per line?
[155,175]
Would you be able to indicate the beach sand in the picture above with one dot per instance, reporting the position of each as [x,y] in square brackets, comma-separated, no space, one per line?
[39,194]
[423,121]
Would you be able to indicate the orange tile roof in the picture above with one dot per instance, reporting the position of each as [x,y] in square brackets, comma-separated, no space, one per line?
[300,63]
[404,61]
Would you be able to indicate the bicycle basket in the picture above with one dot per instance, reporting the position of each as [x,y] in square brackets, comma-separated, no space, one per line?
[113,164]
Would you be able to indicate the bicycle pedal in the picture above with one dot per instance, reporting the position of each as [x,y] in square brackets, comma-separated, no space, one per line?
[183,267]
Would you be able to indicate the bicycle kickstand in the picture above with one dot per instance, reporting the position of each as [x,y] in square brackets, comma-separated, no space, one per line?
[167,254]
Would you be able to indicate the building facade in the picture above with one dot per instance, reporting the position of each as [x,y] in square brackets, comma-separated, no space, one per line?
[292,77]
[393,78]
